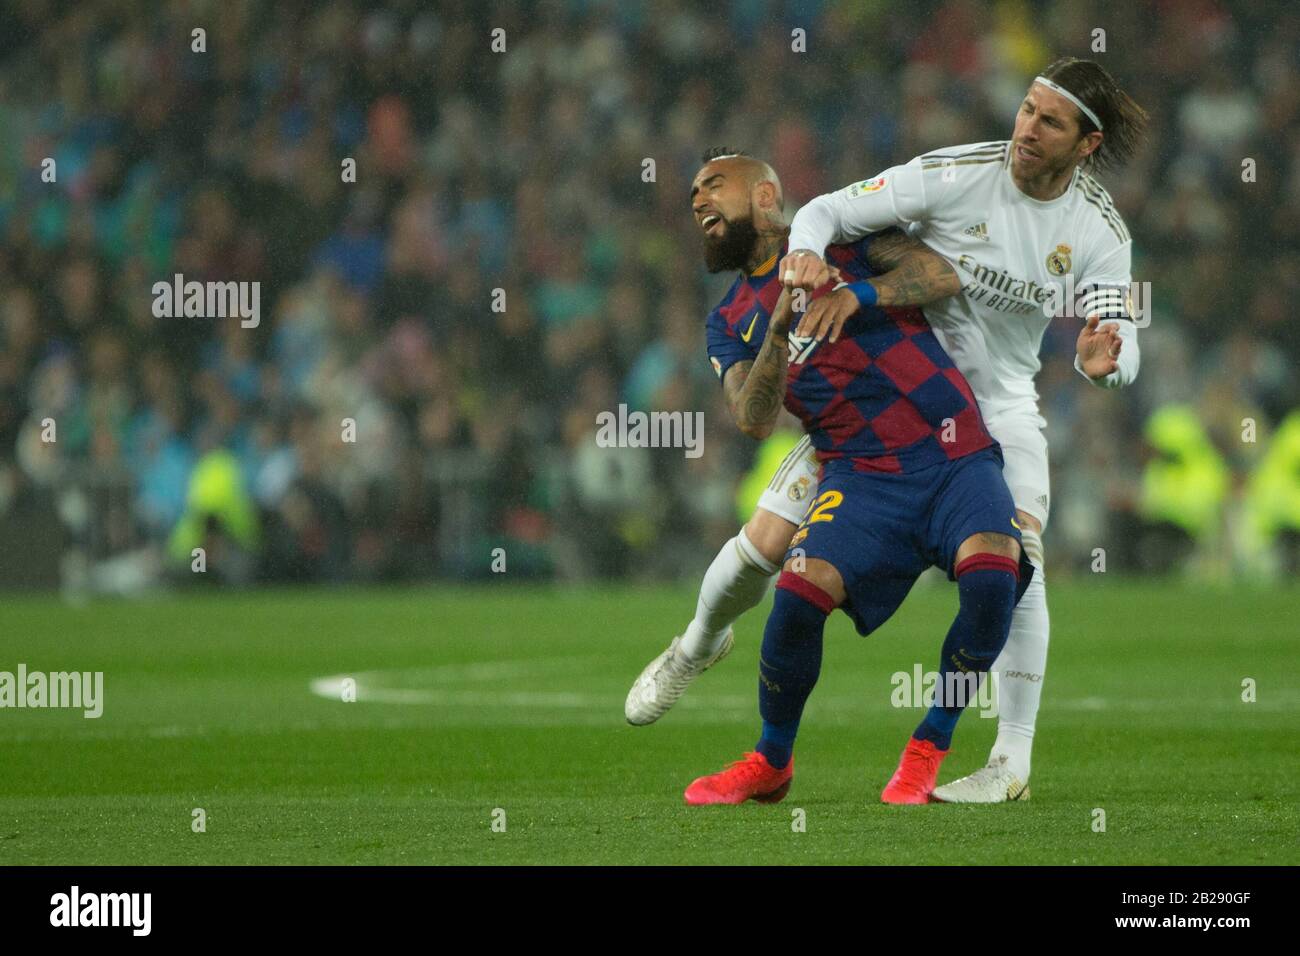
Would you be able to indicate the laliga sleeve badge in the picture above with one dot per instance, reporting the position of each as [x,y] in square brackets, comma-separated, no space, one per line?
[866,186]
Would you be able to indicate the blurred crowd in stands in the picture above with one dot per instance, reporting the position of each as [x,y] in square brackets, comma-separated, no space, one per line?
[523,170]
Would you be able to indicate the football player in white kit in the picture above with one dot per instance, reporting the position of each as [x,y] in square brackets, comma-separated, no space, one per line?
[1032,235]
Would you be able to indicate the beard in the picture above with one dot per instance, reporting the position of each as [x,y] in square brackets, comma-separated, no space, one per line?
[732,249]
[1050,166]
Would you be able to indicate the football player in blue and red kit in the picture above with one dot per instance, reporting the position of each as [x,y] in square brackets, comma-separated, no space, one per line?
[909,478]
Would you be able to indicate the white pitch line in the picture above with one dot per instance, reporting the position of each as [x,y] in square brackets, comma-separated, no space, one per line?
[370,687]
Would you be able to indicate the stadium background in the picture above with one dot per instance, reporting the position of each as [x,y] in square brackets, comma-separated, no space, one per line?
[522,171]
[1175,675]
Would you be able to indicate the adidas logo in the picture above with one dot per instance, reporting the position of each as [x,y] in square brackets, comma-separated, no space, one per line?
[980,231]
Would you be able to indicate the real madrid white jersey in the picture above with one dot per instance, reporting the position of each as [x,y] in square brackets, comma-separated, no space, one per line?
[1014,254]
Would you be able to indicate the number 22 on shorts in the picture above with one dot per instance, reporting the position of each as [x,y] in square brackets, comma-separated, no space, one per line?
[821,507]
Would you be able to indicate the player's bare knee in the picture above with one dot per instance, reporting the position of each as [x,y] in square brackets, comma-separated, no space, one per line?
[1028,522]
[770,534]
[989,542]
[821,573]
[1031,537]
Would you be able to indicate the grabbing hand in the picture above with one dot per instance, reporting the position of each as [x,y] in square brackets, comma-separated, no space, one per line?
[828,314]
[803,269]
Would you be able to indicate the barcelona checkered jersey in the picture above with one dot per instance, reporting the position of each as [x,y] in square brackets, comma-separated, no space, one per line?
[885,395]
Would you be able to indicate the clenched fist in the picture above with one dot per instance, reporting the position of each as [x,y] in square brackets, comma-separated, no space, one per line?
[803,269]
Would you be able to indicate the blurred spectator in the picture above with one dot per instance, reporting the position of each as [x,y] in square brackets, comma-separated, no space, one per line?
[502,267]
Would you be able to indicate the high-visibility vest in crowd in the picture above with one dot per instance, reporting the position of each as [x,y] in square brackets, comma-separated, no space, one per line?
[1273,489]
[1187,483]
[771,452]
[216,490]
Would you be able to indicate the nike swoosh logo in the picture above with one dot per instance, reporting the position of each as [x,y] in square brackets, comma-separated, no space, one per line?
[1014,525]
[748,333]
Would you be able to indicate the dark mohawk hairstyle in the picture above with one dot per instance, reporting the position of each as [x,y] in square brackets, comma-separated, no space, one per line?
[713,152]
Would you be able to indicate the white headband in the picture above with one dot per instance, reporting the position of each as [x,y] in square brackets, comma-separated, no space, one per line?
[1071,97]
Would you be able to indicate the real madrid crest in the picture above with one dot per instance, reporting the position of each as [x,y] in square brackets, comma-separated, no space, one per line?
[799,490]
[1058,260]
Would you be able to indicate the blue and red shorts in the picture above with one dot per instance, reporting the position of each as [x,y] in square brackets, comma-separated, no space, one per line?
[882,530]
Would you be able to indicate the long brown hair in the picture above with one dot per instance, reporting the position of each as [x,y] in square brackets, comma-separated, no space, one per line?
[1123,121]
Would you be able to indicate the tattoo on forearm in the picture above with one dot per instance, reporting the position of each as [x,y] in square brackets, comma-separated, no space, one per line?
[756,391]
[910,273]
[765,384]
[921,278]
[887,249]
[732,386]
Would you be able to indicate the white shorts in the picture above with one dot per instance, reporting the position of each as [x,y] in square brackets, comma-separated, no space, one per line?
[1024,458]
[1024,452]
[794,484]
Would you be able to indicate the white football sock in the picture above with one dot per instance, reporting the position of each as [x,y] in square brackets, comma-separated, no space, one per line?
[735,582]
[1020,669]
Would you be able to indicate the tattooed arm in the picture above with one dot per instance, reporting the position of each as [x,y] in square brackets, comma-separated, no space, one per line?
[755,390]
[911,273]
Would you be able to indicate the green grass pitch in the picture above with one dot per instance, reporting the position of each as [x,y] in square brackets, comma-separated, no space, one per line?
[510,697]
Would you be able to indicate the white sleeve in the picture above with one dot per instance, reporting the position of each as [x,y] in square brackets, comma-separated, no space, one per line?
[1104,291]
[896,197]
